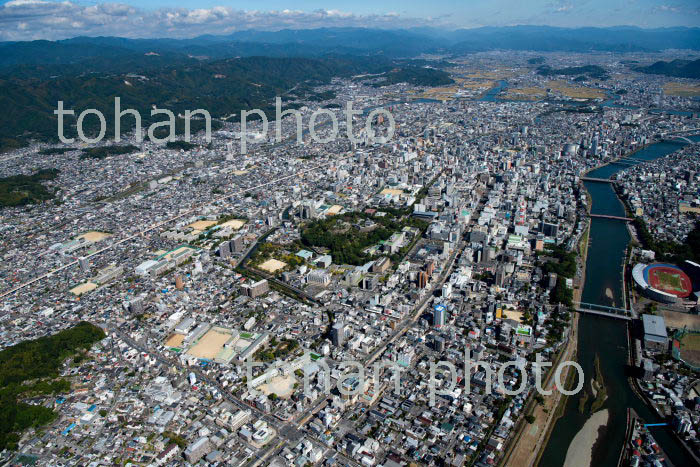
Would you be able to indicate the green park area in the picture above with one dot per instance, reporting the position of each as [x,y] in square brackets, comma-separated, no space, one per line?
[349,235]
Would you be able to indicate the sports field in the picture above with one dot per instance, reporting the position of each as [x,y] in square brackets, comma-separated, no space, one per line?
[93,236]
[201,225]
[210,344]
[175,340]
[670,279]
[391,191]
[235,224]
[273,265]
[83,288]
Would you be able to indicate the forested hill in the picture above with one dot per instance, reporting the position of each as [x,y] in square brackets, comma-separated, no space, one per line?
[675,68]
[32,368]
[222,87]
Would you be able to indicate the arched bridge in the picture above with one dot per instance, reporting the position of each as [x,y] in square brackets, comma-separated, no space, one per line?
[678,139]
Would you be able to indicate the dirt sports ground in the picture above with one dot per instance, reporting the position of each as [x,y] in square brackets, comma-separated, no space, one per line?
[210,344]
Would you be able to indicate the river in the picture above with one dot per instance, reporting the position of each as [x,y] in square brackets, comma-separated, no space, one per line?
[608,337]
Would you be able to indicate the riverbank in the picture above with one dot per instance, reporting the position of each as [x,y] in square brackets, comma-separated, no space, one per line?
[559,399]
[531,438]
[581,449]
[608,338]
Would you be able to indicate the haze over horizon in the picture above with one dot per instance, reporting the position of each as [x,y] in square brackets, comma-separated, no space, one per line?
[53,20]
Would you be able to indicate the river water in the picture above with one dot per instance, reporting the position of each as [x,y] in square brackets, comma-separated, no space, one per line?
[608,337]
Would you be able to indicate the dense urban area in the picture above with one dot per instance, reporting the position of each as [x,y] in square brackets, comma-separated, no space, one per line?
[190,304]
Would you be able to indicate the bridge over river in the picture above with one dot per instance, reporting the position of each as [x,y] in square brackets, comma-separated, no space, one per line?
[602,310]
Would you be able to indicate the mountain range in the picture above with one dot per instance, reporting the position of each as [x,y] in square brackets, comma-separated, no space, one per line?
[247,69]
[352,41]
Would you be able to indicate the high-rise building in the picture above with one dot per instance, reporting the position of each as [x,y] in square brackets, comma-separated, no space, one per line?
[681,424]
[224,250]
[439,315]
[549,229]
[500,276]
[179,284]
[439,344]
[307,210]
[136,306]
[236,244]
[338,334]
[256,289]
[594,145]
[430,268]
[422,279]
[447,290]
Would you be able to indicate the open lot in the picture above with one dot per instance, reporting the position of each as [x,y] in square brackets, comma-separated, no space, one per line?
[575,92]
[526,93]
[677,320]
[492,75]
[512,314]
[282,386]
[690,349]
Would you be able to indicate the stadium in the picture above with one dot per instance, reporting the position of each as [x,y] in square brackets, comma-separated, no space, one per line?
[662,282]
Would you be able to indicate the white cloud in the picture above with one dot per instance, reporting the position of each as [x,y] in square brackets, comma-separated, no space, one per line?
[671,8]
[560,6]
[39,19]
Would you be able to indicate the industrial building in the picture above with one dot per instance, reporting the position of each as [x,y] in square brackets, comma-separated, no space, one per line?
[655,336]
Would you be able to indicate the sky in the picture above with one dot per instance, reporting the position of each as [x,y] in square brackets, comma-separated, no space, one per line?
[52,19]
